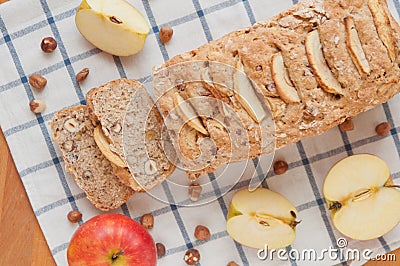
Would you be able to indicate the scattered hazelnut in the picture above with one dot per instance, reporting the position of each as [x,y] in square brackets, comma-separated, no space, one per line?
[68,145]
[37,106]
[48,44]
[232,263]
[192,256]
[194,191]
[147,220]
[160,250]
[82,75]
[150,167]
[74,216]
[347,125]
[280,167]
[166,34]
[71,125]
[201,232]
[383,129]
[37,81]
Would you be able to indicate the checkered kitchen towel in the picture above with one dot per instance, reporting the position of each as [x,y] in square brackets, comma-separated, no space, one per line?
[53,193]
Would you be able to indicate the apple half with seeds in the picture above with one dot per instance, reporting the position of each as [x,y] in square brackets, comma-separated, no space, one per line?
[362,199]
[114,26]
[261,217]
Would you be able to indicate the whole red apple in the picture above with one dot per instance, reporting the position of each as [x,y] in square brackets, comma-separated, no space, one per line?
[111,239]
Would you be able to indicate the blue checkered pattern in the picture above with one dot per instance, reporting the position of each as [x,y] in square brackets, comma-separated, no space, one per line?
[52,191]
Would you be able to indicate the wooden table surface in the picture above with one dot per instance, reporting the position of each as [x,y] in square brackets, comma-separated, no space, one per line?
[21,239]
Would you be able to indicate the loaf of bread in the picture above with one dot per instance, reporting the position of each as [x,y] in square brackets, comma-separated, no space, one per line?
[73,132]
[315,65]
[138,156]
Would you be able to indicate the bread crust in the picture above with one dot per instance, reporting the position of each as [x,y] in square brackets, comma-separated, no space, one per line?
[108,106]
[318,109]
[90,169]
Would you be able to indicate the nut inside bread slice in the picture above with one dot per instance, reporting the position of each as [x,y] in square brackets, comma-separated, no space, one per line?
[124,106]
[73,132]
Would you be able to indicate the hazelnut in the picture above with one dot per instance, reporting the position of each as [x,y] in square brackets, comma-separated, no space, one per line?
[347,125]
[68,145]
[37,106]
[194,191]
[116,128]
[280,167]
[232,263]
[160,250]
[71,125]
[37,81]
[147,220]
[74,216]
[86,174]
[201,232]
[166,34]
[48,44]
[82,75]
[383,129]
[150,167]
[192,257]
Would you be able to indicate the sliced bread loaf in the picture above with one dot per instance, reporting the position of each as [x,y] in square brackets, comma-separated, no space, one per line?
[73,132]
[317,64]
[141,148]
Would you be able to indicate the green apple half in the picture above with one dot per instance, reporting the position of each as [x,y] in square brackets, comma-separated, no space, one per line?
[261,217]
[114,26]
[362,199]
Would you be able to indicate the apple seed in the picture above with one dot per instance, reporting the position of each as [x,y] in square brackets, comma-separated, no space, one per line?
[147,220]
[160,250]
[232,263]
[293,214]
[201,232]
[335,206]
[192,257]
[294,223]
[115,20]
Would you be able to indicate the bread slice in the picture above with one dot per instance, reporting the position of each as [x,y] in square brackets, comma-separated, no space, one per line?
[141,149]
[311,38]
[73,132]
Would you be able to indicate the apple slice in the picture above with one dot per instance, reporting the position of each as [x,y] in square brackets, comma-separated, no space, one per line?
[246,94]
[355,48]
[382,24]
[114,26]
[188,114]
[323,74]
[284,85]
[363,202]
[104,147]
[261,217]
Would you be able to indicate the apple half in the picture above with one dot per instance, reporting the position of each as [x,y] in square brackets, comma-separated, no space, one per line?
[114,26]
[261,217]
[362,199]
